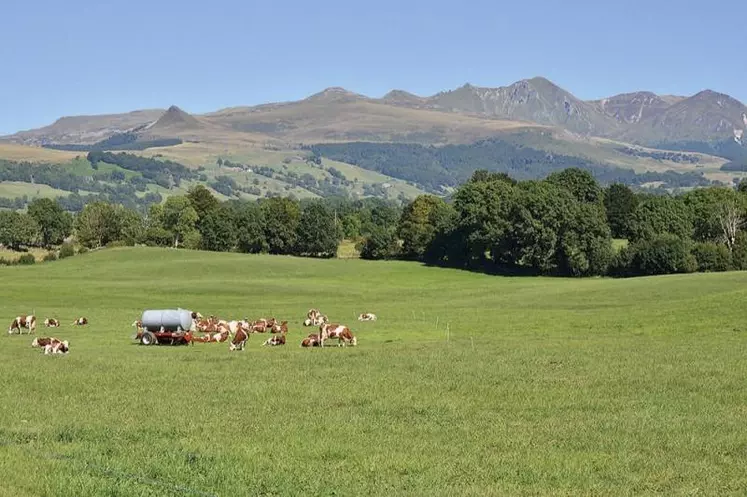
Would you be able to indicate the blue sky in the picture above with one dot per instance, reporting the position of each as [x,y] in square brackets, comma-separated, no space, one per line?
[75,57]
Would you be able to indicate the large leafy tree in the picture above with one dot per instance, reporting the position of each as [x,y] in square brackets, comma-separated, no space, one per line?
[585,242]
[656,215]
[580,183]
[18,230]
[179,218]
[419,223]
[281,217]
[202,200]
[718,214]
[318,233]
[620,203]
[249,222]
[218,229]
[97,224]
[54,223]
[482,212]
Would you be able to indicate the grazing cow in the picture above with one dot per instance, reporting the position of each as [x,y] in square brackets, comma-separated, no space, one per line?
[367,316]
[342,333]
[239,340]
[21,322]
[275,340]
[51,323]
[80,321]
[311,341]
[51,345]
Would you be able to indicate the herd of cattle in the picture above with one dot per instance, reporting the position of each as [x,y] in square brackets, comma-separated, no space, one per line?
[212,329]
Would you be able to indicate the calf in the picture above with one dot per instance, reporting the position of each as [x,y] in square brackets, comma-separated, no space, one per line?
[51,323]
[21,322]
[275,340]
[239,340]
[311,341]
[80,321]
[342,333]
[367,316]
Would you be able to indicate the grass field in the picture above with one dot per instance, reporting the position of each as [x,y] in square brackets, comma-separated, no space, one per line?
[467,384]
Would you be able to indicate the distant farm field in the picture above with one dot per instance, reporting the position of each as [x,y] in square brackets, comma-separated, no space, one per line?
[467,384]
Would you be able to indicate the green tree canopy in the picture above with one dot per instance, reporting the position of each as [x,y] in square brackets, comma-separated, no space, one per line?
[620,203]
[281,217]
[318,234]
[54,223]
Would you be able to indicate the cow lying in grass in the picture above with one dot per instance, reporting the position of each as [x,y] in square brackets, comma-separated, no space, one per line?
[21,322]
[311,341]
[275,340]
[51,345]
[80,321]
[51,323]
[367,316]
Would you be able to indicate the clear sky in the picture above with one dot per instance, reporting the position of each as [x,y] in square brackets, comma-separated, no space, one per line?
[76,57]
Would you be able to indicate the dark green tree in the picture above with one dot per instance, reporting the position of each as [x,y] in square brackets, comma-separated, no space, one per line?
[54,223]
[202,200]
[656,215]
[218,229]
[281,217]
[250,228]
[381,243]
[580,183]
[97,224]
[620,203]
[419,224]
[318,234]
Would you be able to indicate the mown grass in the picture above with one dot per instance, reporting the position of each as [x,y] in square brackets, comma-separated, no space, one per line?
[467,384]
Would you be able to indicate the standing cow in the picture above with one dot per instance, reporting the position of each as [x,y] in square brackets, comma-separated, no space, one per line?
[342,333]
[21,322]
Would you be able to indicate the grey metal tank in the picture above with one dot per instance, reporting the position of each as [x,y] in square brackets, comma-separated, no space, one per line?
[169,319]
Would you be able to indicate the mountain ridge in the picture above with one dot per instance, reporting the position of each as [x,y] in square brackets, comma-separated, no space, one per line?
[459,115]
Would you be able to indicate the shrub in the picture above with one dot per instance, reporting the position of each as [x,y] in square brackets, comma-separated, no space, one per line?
[712,257]
[66,250]
[116,243]
[27,259]
[662,254]
[83,250]
[6,262]
[50,256]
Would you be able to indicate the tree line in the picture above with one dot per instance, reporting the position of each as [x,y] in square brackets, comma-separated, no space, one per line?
[563,225]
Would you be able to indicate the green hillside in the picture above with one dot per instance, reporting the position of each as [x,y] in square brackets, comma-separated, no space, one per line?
[467,384]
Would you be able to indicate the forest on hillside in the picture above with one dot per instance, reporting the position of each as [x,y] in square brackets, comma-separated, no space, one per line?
[451,165]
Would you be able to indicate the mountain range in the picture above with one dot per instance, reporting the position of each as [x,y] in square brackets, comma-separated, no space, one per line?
[462,115]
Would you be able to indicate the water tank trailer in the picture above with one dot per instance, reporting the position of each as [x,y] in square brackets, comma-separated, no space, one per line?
[165,326]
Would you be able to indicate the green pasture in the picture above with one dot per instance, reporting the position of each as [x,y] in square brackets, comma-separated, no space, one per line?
[467,384]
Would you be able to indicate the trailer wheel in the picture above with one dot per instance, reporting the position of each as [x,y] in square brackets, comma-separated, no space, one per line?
[148,338]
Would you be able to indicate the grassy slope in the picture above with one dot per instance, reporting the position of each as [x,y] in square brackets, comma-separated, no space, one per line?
[13,152]
[545,387]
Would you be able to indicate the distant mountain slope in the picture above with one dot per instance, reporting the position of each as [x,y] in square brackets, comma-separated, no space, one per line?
[534,100]
[631,108]
[706,116]
[86,129]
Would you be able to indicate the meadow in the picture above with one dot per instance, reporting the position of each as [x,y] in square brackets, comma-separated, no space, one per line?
[468,384]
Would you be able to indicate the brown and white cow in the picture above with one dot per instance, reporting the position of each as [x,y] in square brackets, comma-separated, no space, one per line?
[280,327]
[341,332]
[239,340]
[311,341]
[367,316]
[21,322]
[316,321]
[275,340]
[51,323]
[51,345]
[81,321]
